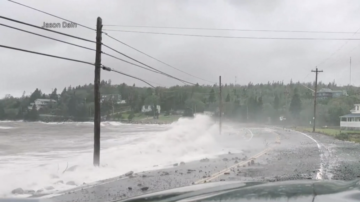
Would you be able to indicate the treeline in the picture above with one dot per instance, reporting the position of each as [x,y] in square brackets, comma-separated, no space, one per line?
[246,103]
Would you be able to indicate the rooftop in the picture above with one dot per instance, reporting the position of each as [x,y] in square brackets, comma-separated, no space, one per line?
[350,115]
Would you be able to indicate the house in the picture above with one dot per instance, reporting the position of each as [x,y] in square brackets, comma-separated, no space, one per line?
[351,121]
[209,113]
[115,98]
[326,93]
[41,103]
[148,108]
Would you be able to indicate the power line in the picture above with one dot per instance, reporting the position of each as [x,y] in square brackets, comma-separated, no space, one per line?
[74,60]
[52,15]
[54,56]
[46,29]
[337,50]
[235,37]
[148,65]
[162,27]
[106,35]
[112,70]
[129,62]
[233,29]
[155,58]
[47,37]
[74,45]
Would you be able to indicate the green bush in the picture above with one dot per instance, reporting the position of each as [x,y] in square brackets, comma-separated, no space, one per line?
[342,136]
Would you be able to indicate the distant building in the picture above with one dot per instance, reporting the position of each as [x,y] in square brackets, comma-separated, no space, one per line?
[209,113]
[115,98]
[352,120]
[41,103]
[326,93]
[148,108]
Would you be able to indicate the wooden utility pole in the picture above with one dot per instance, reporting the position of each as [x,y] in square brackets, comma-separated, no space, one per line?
[220,105]
[350,71]
[315,95]
[97,116]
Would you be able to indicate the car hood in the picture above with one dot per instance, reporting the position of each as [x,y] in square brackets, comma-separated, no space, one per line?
[299,191]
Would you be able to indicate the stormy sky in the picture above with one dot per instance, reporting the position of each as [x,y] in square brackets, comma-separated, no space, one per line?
[250,60]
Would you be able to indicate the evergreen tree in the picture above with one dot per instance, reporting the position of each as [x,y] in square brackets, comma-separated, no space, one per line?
[2,112]
[295,105]
[54,95]
[212,96]
[276,104]
[63,92]
[35,95]
[227,99]
[32,115]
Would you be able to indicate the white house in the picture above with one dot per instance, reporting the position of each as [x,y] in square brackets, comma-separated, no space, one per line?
[148,108]
[351,120]
[40,103]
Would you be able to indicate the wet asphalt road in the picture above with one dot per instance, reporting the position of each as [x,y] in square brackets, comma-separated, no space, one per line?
[271,154]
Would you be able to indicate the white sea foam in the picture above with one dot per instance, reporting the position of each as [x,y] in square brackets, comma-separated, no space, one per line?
[185,140]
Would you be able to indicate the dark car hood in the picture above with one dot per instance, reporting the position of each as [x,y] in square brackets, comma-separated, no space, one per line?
[299,191]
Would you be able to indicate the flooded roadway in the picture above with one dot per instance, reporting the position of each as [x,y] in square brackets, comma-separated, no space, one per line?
[157,158]
[272,154]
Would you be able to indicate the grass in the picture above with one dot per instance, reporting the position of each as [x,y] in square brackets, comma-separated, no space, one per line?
[162,118]
[169,119]
[349,135]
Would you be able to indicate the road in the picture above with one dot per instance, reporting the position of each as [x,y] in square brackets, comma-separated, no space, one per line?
[271,154]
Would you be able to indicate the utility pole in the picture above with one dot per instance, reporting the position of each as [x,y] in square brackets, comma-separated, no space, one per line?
[97,116]
[350,71]
[315,95]
[220,105]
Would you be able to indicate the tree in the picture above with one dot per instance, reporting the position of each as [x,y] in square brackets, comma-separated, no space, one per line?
[195,105]
[2,112]
[276,102]
[63,92]
[152,100]
[212,96]
[295,105]
[32,115]
[227,99]
[276,105]
[35,95]
[54,95]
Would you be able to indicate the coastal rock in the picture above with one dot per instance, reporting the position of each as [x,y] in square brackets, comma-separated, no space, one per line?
[129,173]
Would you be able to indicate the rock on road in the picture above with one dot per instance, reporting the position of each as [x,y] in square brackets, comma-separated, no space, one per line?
[272,154]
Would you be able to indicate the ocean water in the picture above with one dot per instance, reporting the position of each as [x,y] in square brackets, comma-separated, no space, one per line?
[34,156]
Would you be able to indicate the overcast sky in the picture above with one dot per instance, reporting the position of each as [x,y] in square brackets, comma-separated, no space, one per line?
[249,60]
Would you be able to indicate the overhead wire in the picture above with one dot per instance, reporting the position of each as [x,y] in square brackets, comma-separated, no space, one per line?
[74,60]
[70,44]
[48,55]
[51,15]
[236,37]
[160,72]
[79,45]
[129,62]
[106,35]
[156,58]
[234,29]
[49,30]
[47,37]
[113,70]
[337,50]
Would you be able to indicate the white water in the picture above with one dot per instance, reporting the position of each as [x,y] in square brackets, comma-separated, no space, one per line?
[38,153]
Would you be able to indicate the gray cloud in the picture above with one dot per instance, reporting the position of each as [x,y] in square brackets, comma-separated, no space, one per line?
[249,60]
